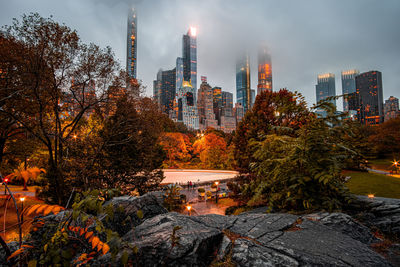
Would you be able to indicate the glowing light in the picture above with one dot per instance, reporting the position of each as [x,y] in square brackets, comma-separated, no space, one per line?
[371,195]
[74,136]
[193,31]
[216,183]
[188,207]
[22,199]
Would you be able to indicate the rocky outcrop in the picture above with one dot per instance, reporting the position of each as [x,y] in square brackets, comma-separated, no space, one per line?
[250,239]
[378,213]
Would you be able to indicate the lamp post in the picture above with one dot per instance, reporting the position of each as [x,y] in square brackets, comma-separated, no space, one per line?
[22,199]
[216,193]
[188,207]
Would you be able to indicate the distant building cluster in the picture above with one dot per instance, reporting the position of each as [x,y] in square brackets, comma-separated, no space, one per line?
[363,96]
[208,107]
[199,108]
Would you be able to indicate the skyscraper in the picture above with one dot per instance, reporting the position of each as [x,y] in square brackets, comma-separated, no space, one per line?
[264,70]
[348,86]
[205,107]
[370,94]
[168,90]
[217,102]
[189,54]
[157,87]
[131,58]
[325,87]
[243,90]
[187,106]
[391,108]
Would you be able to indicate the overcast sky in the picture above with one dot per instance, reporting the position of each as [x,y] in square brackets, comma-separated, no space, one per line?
[305,38]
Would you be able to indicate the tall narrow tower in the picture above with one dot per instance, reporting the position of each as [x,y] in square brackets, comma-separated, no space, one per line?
[243,90]
[131,53]
[189,54]
[264,70]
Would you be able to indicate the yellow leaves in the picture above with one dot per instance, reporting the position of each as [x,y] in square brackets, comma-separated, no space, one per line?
[43,209]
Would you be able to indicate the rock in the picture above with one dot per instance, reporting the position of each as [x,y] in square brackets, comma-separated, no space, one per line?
[346,225]
[126,211]
[196,246]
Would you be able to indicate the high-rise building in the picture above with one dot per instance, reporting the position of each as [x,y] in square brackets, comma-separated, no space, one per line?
[131,58]
[370,97]
[264,70]
[168,90]
[205,107]
[157,86]
[179,73]
[217,103]
[243,90]
[186,107]
[227,99]
[189,54]
[348,86]
[326,87]
[238,112]
[391,108]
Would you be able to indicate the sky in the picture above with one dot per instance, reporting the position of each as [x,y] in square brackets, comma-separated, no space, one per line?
[305,38]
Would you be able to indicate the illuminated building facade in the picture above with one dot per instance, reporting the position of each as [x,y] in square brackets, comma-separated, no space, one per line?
[243,90]
[264,70]
[189,53]
[391,108]
[205,107]
[131,59]
[325,87]
[370,97]
[186,109]
[348,86]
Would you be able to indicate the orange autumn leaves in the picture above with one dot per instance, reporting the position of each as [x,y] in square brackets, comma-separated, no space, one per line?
[185,151]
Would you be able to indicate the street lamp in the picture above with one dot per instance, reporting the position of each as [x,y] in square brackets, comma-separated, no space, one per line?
[22,199]
[188,207]
[216,193]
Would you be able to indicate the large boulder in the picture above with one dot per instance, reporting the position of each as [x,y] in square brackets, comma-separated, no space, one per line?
[253,239]
[130,211]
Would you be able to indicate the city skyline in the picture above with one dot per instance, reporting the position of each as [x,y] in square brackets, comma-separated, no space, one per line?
[317,45]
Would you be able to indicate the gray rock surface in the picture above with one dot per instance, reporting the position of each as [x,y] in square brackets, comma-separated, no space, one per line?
[250,239]
[379,213]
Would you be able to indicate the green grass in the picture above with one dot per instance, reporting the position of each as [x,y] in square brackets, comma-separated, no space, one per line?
[364,183]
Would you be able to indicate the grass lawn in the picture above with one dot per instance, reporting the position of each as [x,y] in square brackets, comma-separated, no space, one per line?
[364,183]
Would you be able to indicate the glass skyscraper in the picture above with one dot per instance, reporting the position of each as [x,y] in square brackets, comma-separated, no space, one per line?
[131,58]
[243,91]
[189,53]
[264,70]
[348,86]
[325,87]
[370,97]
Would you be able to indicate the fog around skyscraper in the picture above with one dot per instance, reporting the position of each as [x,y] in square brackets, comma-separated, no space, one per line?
[305,38]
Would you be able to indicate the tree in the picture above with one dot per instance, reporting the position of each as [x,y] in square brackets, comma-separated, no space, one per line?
[177,147]
[56,80]
[271,109]
[302,172]
[385,138]
[131,156]
[25,174]
[212,150]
